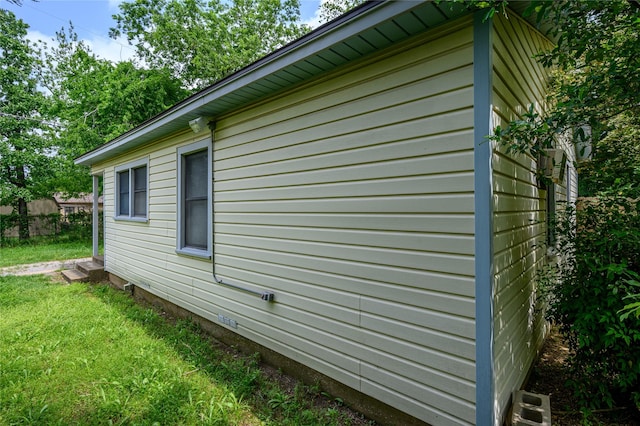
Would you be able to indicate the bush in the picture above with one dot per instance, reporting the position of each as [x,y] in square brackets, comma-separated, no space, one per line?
[600,246]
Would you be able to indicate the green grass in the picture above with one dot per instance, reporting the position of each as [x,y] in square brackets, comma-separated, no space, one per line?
[83,354]
[43,250]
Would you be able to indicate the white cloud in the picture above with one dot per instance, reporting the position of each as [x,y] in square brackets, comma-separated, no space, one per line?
[37,36]
[103,47]
[114,4]
[314,21]
[113,50]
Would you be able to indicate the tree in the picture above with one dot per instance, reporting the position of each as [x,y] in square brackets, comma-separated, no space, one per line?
[597,56]
[24,152]
[202,42]
[614,169]
[96,100]
[331,9]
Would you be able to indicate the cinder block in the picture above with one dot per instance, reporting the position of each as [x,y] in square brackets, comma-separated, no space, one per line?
[531,409]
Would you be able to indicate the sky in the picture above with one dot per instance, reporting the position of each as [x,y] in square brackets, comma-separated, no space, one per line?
[92,19]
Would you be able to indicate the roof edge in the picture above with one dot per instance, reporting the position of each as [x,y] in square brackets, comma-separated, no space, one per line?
[334,31]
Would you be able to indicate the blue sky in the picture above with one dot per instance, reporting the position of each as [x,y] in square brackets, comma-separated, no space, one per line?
[92,20]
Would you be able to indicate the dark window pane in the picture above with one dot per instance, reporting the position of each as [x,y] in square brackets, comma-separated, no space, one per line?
[140,204]
[140,192]
[123,193]
[195,175]
[196,230]
[140,178]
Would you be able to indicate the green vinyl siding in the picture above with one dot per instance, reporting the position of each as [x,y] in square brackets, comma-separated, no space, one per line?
[352,200]
[519,210]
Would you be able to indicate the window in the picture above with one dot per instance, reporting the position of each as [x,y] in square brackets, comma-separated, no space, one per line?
[194,206]
[131,191]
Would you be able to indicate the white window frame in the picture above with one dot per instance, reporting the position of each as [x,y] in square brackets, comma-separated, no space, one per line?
[180,225]
[130,167]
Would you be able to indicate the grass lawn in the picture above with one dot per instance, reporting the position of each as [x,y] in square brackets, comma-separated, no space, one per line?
[43,250]
[88,354]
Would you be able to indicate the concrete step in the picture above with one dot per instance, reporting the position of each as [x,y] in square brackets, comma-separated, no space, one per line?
[99,259]
[74,276]
[94,270]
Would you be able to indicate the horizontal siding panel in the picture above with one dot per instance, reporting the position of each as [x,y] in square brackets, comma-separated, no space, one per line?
[334,305]
[291,290]
[439,105]
[458,325]
[462,203]
[158,200]
[535,234]
[456,264]
[514,254]
[514,272]
[163,217]
[427,223]
[509,103]
[532,78]
[451,183]
[506,185]
[137,252]
[386,107]
[417,353]
[515,203]
[429,337]
[351,150]
[403,286]
[519,167]
[164,179]
[163,167]
[161,189]
[425,412]
[180,265]
[504,221]
[449,403]
[348,167]
[424,374]
[440,243]
[409,141]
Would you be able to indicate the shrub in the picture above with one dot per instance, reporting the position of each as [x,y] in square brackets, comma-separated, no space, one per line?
[600,247]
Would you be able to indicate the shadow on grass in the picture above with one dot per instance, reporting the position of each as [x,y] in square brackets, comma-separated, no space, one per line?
[239,374]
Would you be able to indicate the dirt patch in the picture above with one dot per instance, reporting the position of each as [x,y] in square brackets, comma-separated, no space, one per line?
[549,377]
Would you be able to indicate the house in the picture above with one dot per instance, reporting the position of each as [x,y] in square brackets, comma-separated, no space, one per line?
[337,206]
[72,205]
[41,221]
